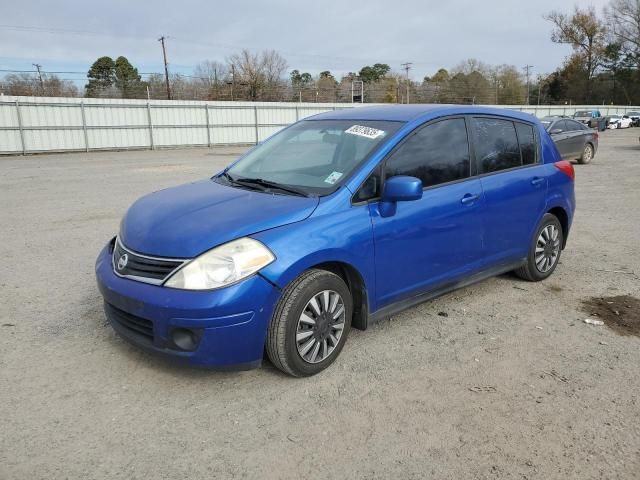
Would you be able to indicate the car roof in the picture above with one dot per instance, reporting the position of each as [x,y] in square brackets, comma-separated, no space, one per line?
[407,113]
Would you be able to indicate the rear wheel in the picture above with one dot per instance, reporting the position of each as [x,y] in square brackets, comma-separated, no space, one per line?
[587,154]
[310,324]
[544,252]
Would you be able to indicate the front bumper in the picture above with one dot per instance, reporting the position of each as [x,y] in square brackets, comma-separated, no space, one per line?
[231,322]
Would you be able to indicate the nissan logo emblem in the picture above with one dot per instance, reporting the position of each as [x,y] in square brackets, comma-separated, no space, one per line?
[122,261]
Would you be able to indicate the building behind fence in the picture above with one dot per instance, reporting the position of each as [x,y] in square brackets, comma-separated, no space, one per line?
[43,124]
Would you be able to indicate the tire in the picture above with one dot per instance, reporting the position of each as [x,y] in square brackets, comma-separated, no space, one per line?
[534,271]
[288,336]
[587,154]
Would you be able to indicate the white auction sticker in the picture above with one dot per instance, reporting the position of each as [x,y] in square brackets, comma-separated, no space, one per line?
[333,178]
[367,132]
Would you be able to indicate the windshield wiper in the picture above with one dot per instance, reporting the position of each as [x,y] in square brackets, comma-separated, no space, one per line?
[267,184]
[234,181]
[229,178]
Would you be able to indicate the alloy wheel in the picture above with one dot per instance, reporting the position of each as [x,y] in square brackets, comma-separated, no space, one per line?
[588,153]
[320,326]
[547,248]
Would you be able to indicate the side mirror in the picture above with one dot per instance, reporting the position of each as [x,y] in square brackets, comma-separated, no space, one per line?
[555,131]
[399,189]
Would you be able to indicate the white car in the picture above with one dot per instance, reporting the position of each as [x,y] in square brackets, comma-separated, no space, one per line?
[617,121]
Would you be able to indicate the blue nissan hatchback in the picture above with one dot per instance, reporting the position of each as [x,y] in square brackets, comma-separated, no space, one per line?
[335,222]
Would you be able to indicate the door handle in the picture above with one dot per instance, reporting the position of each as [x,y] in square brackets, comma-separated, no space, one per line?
[469,199]
[537,180]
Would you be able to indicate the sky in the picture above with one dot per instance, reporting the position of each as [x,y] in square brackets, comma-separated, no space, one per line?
[335,35]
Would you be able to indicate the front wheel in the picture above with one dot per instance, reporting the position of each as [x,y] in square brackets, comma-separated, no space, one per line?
[544,252]
[310,324]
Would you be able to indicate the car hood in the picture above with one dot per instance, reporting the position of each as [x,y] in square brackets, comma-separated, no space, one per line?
[184,221]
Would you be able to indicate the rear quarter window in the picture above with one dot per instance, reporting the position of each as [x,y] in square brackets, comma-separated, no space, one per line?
[527,141]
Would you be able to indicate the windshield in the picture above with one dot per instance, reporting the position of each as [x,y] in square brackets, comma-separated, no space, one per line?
[583,113]
[313,156]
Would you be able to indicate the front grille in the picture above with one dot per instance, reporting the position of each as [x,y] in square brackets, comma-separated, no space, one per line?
[140,326]
[142,267]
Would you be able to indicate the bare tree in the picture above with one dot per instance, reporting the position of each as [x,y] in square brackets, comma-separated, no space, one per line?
[211,76]
[247,72]
[29,85]
[258,75]
[274,66]
[586,33]
[623,17]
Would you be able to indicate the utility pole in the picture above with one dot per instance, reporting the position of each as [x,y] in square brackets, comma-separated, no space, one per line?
[539,88]
[166,69]
[38,67]
[233,79]
[527,68]
[407,67]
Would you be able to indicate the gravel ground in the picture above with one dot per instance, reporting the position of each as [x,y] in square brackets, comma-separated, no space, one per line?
[502,379]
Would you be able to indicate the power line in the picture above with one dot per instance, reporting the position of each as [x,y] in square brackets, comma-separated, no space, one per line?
[60,31]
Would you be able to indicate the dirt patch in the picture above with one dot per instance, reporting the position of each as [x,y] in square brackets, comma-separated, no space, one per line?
[620,313]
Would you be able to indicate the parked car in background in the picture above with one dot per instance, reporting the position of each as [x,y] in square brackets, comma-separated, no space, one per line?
[635,118]
[573,139]
[619,121]
[588,117]
[339,220]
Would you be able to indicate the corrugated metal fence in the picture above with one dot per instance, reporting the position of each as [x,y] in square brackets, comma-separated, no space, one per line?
[42,124]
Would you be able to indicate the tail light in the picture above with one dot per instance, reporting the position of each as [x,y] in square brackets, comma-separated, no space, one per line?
[566,167]
[595,134]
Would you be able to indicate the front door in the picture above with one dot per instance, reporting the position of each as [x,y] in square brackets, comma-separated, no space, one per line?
[563,140]
[433,241]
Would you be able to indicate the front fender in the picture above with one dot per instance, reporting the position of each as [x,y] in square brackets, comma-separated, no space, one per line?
[343,236]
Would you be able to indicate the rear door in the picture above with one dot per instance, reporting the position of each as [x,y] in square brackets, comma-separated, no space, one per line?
[438,238]
[514,185]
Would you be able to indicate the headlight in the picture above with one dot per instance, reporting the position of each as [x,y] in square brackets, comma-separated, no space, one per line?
[222,266]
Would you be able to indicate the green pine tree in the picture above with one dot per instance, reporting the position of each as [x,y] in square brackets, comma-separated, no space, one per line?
[101,77]
[127,79]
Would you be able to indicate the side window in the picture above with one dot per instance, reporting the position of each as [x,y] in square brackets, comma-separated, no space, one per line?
[527,140]
[573,126]
[370,188]
[438,153]
[561,125]
[496,144]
